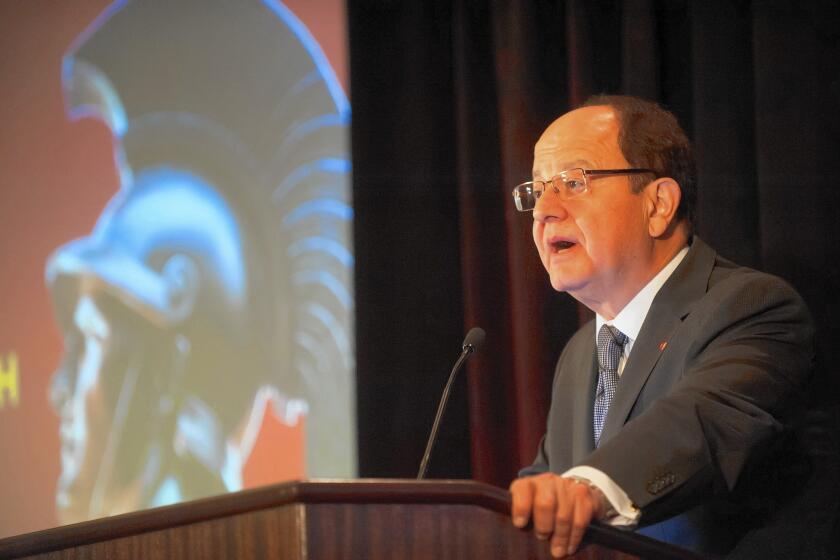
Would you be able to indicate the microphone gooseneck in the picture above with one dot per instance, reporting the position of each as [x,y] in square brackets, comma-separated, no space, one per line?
[472,343]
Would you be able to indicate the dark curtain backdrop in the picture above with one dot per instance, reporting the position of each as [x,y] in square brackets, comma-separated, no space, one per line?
[449,98]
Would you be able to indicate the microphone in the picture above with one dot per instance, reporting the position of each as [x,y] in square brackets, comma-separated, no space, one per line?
[472,342]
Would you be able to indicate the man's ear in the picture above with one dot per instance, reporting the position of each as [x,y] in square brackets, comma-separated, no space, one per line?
[664,194]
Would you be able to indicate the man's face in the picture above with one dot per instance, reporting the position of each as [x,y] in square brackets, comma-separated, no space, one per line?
[595,246]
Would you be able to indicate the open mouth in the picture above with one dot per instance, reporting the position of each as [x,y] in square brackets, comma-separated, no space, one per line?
[561,245]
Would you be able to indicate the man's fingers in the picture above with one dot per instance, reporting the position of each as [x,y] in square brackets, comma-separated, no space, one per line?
[560,508]
[582,517]
[545,504]
[522,499]
[572,519]
[562,516]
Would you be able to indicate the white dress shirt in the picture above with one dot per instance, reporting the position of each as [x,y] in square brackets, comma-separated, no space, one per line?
[629,321]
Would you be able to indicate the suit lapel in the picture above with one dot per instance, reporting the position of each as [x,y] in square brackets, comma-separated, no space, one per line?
[586,381]
[671,305]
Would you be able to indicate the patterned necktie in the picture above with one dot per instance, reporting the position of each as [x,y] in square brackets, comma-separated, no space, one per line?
[611,343]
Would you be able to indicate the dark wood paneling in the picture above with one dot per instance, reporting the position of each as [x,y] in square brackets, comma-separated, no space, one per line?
[371,519]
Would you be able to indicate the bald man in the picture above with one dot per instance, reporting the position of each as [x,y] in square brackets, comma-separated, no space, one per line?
[667,406]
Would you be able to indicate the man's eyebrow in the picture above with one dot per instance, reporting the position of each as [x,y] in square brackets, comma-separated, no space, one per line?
[582,163]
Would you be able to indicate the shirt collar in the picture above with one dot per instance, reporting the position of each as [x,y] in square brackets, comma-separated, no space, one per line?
[629,320]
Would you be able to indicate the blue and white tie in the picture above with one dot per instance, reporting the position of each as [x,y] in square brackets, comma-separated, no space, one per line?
[611,343]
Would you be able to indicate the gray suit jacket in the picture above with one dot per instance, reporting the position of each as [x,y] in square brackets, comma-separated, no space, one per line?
[702,405]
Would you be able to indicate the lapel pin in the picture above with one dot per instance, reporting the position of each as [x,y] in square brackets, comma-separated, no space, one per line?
[662,345]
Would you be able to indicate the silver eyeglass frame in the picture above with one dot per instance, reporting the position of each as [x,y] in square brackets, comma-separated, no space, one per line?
[535,189]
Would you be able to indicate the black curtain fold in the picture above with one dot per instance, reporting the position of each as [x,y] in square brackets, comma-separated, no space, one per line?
[448,100]
[409,301]
[724,130]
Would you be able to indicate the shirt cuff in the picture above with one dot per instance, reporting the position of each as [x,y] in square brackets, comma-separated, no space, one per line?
[624,513]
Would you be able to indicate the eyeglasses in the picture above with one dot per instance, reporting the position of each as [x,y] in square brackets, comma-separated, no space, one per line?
[568,184]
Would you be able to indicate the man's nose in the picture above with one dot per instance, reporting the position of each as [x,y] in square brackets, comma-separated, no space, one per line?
[550,206]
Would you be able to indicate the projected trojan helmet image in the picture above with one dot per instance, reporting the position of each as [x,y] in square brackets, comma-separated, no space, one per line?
[216,285]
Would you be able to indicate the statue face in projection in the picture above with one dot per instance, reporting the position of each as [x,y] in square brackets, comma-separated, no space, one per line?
[151,305]
[219,276]
[102,402]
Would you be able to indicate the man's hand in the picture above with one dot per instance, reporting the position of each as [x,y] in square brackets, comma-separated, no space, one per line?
[561,509]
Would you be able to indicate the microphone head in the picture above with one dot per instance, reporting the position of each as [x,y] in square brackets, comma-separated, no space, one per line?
[474,339]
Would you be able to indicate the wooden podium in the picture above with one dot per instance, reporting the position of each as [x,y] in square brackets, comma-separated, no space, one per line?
[314,520]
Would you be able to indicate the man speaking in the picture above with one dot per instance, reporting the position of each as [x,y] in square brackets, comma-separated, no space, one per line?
[669,410]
